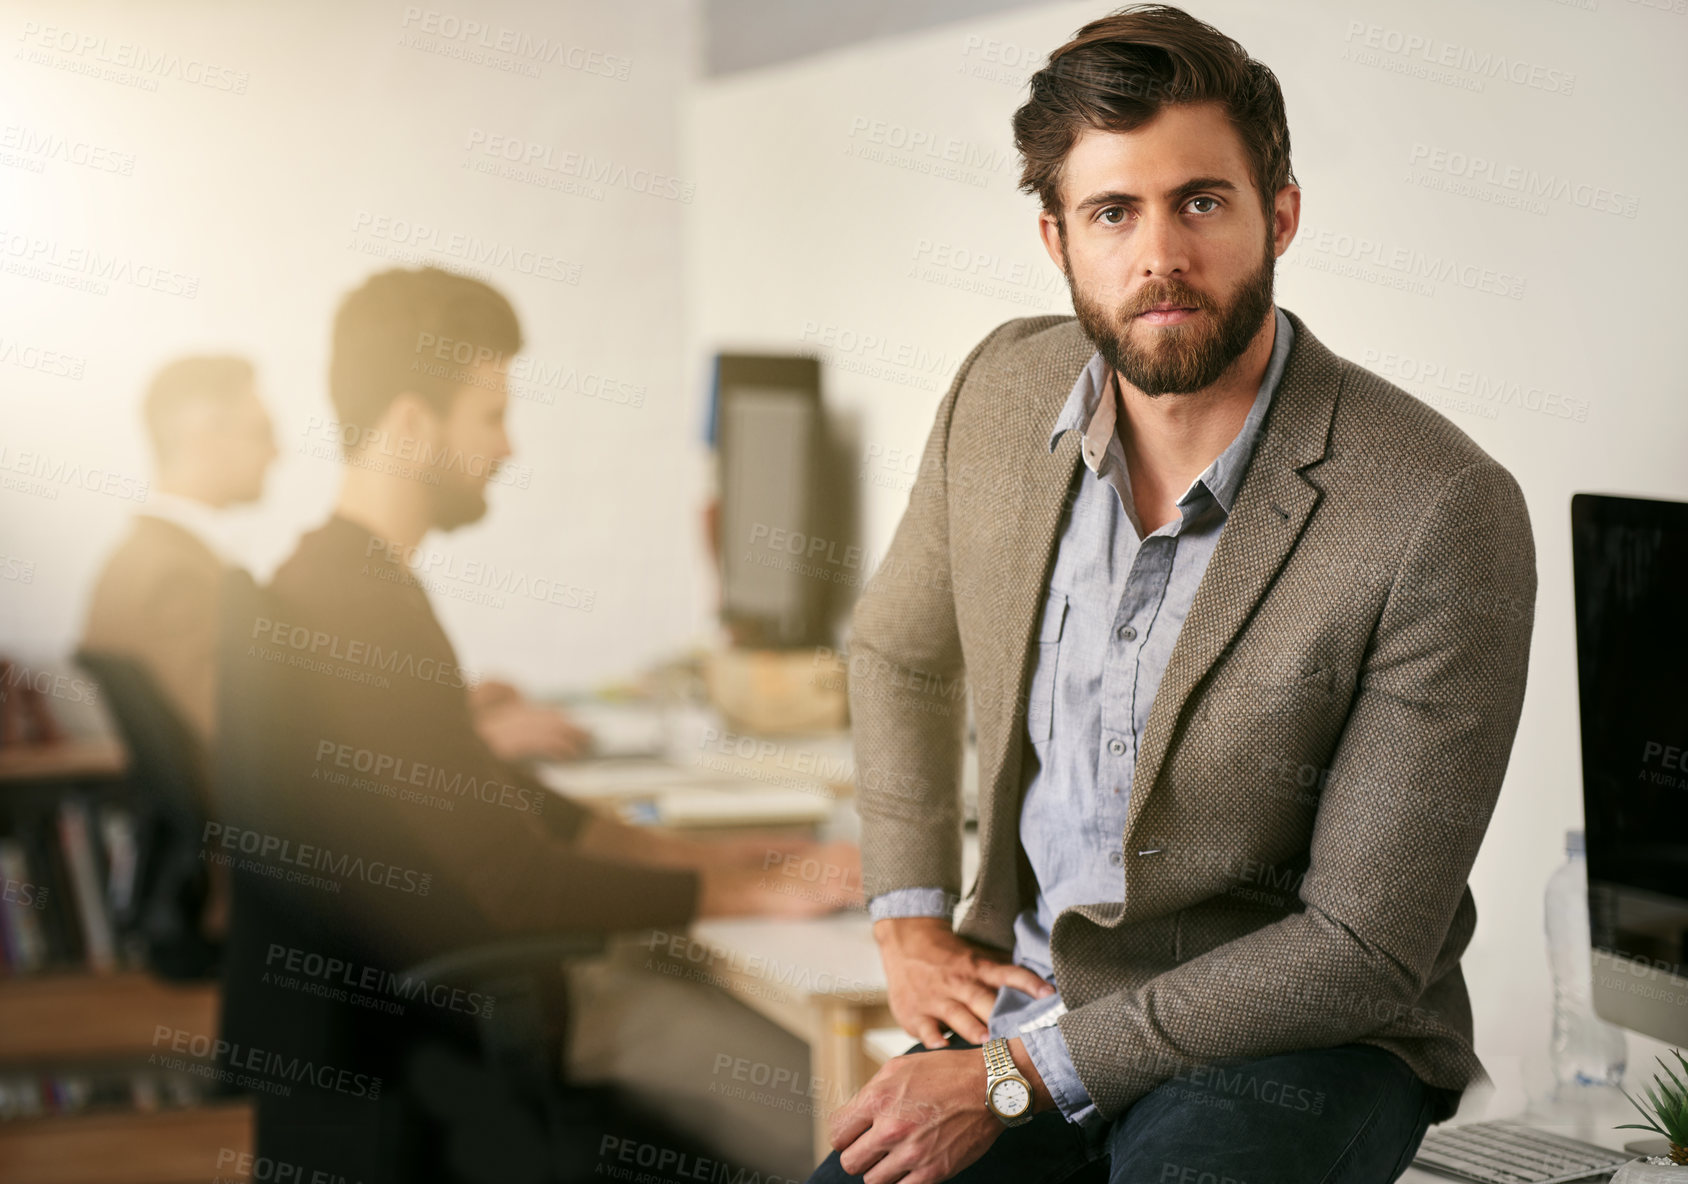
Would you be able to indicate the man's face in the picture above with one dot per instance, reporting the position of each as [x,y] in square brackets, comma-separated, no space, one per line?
[240,442]
[1168,215]
[469,444]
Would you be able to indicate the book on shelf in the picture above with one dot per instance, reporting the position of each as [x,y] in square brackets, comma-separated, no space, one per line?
[21,930]
[37,1095]
[67,887]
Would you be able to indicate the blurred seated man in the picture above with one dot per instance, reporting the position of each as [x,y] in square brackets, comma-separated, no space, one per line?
[367,754]
[156,598]
[421,442]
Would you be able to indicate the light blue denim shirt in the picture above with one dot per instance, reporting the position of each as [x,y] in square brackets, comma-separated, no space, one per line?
[1113,609]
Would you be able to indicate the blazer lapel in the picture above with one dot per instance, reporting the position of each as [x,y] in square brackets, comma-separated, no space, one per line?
[1272,507]
[1043,480]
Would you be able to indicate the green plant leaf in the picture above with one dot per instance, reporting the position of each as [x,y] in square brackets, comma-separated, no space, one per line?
[1667,1108]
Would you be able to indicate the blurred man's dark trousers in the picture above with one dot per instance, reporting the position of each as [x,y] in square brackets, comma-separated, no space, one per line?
[1348,1115]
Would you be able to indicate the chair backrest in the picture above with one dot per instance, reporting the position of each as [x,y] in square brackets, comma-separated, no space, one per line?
[167,775]
[166,759]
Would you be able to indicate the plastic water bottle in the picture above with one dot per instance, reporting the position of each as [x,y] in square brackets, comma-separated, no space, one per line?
[1586,1050]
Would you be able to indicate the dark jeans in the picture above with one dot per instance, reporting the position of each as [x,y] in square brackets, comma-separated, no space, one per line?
[1348,1115]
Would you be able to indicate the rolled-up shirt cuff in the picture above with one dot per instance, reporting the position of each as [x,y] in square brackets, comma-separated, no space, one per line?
[910,902]
[1048,1051]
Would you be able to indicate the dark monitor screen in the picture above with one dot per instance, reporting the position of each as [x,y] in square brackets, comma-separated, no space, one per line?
[768,436]
[1630,566]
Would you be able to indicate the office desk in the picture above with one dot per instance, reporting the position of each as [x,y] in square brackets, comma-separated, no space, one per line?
[820,980]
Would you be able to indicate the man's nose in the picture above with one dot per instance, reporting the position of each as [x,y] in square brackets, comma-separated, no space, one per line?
[1163,244]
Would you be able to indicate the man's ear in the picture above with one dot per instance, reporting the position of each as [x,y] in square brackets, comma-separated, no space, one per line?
[409,416]
[1286,214]
[1050,232]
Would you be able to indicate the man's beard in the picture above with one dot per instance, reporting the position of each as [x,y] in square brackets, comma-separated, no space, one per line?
[456,500]
[1177,359]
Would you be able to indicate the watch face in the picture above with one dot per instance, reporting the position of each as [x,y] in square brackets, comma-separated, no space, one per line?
[1010,1098]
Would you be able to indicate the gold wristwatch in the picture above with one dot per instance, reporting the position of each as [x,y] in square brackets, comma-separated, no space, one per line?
[1007,1094]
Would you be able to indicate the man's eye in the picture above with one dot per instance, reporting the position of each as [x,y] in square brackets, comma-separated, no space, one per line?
[1214,200]
[1103,216]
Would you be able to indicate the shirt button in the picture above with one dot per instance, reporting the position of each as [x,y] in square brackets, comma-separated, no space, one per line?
[1116,746]
[1115,858]
[1127,633]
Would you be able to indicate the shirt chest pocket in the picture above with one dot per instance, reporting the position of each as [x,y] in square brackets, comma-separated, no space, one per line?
[1040,704]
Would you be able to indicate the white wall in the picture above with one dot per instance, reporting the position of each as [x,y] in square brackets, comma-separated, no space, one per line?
[798,241]
[351,110]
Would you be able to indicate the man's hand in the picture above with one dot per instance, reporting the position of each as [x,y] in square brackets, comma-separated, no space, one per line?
[744,876]
[739,890]
[765,848]
[827,878]
[520,730]
[924,1114]
[492,692]
[935,978]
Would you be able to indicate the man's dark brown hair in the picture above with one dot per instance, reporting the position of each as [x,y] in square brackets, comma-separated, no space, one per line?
[418,331]
[1120,70]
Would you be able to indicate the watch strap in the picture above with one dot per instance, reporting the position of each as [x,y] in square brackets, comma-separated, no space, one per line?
[999,1062]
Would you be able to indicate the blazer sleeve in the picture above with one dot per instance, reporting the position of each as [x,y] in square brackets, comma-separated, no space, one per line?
[1412,784]
[907,709]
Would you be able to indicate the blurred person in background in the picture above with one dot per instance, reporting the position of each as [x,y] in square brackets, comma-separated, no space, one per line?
[422,440]
[156,601]
[370,748]
[156,598]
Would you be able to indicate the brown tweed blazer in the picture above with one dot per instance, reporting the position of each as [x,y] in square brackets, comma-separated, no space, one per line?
[1321,759]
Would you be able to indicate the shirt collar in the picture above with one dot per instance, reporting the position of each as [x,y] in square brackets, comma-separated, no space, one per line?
[1088,412]
[202,521]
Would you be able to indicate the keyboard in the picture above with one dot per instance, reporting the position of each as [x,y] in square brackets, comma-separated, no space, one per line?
[1504,1151]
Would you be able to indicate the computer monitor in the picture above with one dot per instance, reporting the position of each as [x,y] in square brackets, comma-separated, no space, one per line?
[1630,568]
[768,427]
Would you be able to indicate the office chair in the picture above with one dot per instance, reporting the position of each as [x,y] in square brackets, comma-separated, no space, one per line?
[167,771]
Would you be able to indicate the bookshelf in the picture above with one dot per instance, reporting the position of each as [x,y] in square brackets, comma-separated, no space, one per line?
[166,1147]
[85,759]
[62,1020]
[70,1016]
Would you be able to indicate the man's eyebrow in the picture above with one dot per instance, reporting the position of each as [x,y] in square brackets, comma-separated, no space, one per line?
[1115,197]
